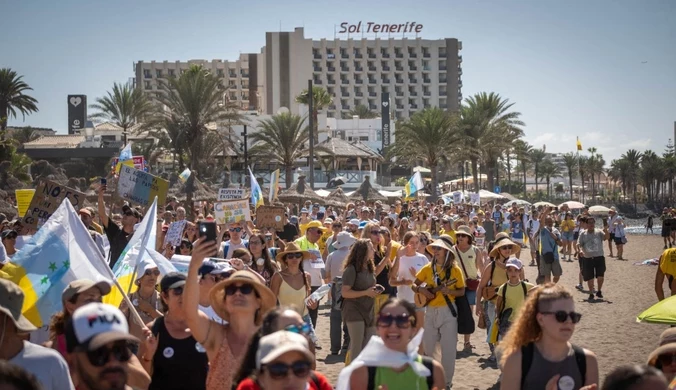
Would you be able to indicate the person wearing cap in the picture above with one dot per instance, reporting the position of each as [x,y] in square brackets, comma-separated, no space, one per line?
[314,263]
[118,237]
[511,295]
[290,231]
[334,275]
[171,348]
[86,218]
[46,364]
[326,234]
[242,300]
[97,338]
[210,273]
[303,220]
[9,243]
[664,356]
[146,299]
[353,228]
[441,325]
[470,259]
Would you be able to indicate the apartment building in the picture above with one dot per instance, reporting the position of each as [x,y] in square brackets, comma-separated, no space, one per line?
[416,72]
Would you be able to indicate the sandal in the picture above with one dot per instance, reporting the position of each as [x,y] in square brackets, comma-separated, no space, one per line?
[468,346]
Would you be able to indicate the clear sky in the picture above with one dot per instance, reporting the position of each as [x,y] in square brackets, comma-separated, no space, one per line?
[573,68]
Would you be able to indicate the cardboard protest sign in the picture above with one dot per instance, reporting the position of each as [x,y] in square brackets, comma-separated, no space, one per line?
[47,198]
[270,217]
[232,211]
[23,200]
[141,187]
[475,198]
[231,194]
[175,233]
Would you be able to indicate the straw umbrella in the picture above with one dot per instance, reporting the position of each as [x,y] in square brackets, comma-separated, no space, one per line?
[366,192]
[200,191]
[299,192]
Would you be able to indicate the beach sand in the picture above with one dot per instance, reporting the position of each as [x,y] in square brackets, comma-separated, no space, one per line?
[608,326]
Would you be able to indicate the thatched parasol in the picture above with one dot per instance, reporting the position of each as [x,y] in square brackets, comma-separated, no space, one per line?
[337,198]
[200,192]
[299,192]
[366,192]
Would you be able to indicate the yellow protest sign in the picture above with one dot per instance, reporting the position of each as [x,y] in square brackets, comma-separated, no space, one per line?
[23,200]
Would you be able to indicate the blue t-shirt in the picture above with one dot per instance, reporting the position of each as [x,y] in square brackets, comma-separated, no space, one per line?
[547,243]
[517,231]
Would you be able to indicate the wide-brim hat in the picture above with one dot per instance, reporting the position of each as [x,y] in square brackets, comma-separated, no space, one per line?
[292,247]
[444,241]
[217,295]
[666,348]
[463,229]
[11,303]
[504,242]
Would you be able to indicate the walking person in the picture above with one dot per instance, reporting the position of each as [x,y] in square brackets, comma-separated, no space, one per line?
[612,218]
[567,227]
[445,278]
[404,270]
[620,236]
[511,296]
[550,240]
[381,259]
[314,263]
[591,251]
[471,261]
[532,229]
[263,264]
[334,275]
[666,219]
[537,347]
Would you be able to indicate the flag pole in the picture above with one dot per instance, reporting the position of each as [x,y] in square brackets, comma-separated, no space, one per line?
[130,305]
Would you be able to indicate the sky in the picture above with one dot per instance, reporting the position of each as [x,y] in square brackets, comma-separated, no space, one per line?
[603,70]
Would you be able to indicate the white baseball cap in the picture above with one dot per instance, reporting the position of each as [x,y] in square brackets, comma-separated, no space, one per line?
[95,325]
[278,343]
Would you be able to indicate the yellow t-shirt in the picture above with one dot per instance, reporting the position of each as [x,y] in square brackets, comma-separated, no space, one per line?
[514,298]
[393,250]
[450,233]
[303,228]
[426,275]
[668,262]
[567,225]
[322,240]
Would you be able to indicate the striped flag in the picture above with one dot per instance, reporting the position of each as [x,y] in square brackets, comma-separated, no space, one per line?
[274,185]
[256,192]
[579,144]
[125,158]
[183,177]
[414,184]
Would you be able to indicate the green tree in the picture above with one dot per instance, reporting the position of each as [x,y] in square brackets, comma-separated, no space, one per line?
[522,150]
[620,172]
[320,100]
[549,169]
[13,98]
[570,161]
[24,134]
[125,107]
[431,135]
[362,111]
[591,163]
[537,157]
[281,139]
[633,157]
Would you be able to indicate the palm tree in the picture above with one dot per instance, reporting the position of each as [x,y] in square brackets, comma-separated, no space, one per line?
[281,139]
[651,173]
[590,168]
[570,160]
[320,100]
[537,157]
[362,111]
[633,157]
[13,98]
[486,124]
[430,135]
[549,169]
[124,106]
[620,171]
[24,134]
[522,150]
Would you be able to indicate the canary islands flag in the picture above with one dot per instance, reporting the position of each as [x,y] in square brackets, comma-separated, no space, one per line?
[414,184]
[256,192]
[274,185]
[183,177]
[60,252]
[125,158]
[139,251]
[579,144]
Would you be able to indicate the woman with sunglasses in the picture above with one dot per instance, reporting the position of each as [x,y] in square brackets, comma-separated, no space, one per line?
[280,318]
[382,261]
[264,265]
[240,300]
[537,346]
[145,299]
[170,349]
[394,358]
[186,247]
[190,231]
[424,239]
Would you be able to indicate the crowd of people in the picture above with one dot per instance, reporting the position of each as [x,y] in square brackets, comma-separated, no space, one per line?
[402,283]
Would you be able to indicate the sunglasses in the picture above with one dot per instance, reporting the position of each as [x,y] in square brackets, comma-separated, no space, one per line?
[178,291]
[99,357]
[561,316]
[245,289]
[375,232]
[268,238]
[667,359]
[403,321]
[300,369]
[129,214]
[237,229]
[254,242]
[186,246]
[154,272]
[303,329]
[423,240]
[296,255]
[508,247]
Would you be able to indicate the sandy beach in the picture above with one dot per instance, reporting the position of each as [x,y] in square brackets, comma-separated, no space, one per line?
[608,327]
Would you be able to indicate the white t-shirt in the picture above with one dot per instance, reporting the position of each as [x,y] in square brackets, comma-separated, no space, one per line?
[46,364]
[209,311]
[416,261]
[231,248]
[314,268]
[334,262]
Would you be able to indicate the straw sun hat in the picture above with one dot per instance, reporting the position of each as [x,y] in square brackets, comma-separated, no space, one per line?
[504,241]
[292,247]
[266,296]
[444,241]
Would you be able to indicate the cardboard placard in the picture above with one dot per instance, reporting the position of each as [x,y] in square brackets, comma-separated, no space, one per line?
[475,198]
[270,217]
[231,194]
[175,233]
[141,187]
[232,211]
[47,198]
[23,200]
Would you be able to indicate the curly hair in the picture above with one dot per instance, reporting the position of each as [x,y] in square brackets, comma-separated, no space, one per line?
[359,256]
[526,328]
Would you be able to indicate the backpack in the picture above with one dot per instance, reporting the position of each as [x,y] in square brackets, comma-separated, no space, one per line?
[527,360]
[426,360]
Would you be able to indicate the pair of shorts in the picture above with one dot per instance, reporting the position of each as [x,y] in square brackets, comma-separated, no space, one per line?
[618,240]
[576,235]
[471,296]
[666,231]
[568,236]
[612,237]
[593,267]
[553,269]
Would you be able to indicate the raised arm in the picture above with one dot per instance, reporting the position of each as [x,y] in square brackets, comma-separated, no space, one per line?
[102,207]
[198,322]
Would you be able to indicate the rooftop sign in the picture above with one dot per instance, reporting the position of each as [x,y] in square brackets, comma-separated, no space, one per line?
[374,28]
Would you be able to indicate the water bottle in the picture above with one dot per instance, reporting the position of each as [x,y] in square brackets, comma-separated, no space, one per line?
[319,293]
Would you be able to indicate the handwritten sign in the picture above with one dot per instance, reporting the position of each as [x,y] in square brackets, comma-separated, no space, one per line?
[23,200]
[457,197]
[232,211]
[475,198]
[47,198]
[141,187]
[139,162]
[175,233]
[230,193]
[270,217]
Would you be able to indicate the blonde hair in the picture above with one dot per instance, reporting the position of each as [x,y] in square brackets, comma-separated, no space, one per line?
[526,328]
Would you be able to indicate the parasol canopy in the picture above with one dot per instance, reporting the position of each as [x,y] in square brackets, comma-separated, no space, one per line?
[299,192]
[366,192]
[544,204]
[663,312]
[518,202]
[599,210]
[573,205]
[200,191]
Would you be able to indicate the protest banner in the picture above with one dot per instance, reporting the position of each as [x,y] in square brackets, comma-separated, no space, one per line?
[23,200]
[232,211]
[475,198]
[46,200]
[270,217]
[174,233]
[139,162]
[231,194]
[141,187]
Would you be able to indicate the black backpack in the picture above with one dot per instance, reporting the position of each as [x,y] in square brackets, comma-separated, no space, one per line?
[527,360]
[426,360]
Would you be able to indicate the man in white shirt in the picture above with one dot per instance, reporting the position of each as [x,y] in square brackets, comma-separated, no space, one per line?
[236,231]
[612,218]
[334,273]
[532,228]
[46,364]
